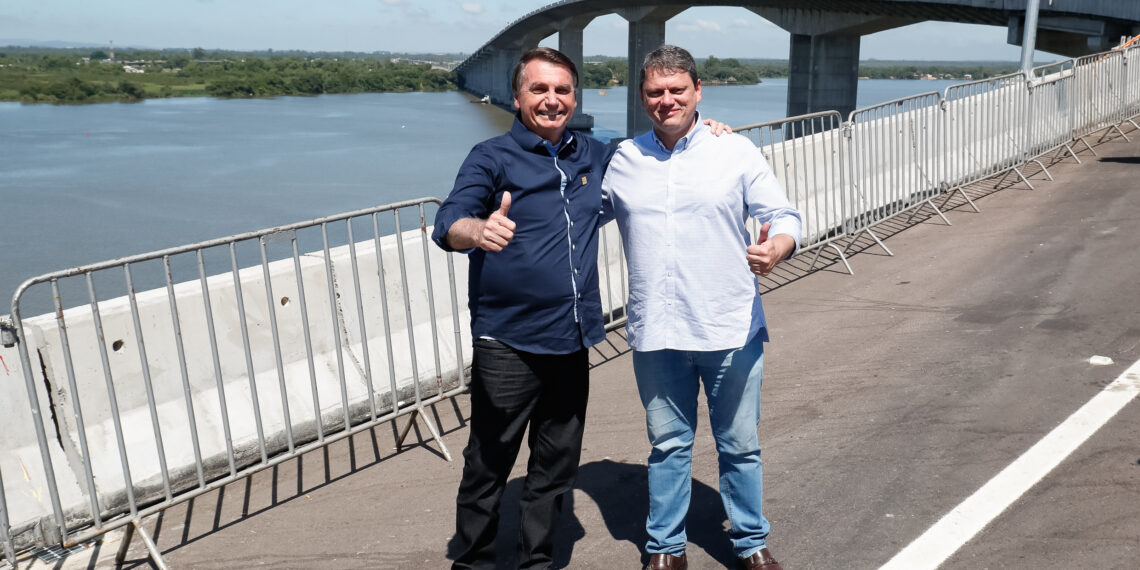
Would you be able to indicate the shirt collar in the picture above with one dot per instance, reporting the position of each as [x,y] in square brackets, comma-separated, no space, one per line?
[698,130]
[527,139]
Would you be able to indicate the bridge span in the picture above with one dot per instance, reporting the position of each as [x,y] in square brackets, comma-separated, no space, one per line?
[824,43]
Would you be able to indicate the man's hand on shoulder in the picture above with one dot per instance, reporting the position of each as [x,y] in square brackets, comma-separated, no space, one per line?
[718,128]
[492,234]
[767,252]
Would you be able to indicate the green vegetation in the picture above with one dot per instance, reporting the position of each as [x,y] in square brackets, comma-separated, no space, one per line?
[74,76]
[85,75]
[602,72]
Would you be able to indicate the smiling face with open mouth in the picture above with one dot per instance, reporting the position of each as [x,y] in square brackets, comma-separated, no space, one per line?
[545,99]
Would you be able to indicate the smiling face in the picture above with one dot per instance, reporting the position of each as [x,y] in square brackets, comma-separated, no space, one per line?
[545,99]
[670,98]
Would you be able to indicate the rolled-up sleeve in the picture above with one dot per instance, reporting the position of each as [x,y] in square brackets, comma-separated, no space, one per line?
[472,196]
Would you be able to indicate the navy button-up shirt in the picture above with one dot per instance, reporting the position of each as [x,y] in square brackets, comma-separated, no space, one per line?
[540,293]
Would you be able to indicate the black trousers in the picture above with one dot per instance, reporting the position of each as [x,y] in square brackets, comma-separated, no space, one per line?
[510,390]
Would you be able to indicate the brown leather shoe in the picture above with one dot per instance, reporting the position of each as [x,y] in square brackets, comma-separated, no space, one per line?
[761,560]
[667,562]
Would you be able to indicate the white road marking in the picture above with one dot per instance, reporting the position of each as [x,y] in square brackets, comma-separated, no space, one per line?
[967,519]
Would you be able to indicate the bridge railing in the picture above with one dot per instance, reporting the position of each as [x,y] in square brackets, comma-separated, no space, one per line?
[986,124]
[895,164]
[162,376]
[153,379]
[156,378]
[806,155]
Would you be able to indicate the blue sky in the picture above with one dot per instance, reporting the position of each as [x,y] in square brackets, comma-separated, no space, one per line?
[435,26]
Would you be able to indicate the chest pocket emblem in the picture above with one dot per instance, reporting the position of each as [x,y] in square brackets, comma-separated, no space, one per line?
[585,181]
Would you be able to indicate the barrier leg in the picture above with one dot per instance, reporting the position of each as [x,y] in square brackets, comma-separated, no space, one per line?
[1109,130]
[879,241]
[1023,178]
[152,549]
[842,258]
[929,202]
[938,211]
[419,412]
[1068,148]
[1043,169]
[125,545]
[1087,145]
[961,191]
[873,236]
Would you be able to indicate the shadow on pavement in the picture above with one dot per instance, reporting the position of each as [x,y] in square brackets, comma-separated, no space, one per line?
[621,493]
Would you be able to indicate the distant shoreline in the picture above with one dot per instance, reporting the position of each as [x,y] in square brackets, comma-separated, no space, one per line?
[76,76]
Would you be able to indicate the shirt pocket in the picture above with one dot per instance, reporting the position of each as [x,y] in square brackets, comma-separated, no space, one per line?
[584,190]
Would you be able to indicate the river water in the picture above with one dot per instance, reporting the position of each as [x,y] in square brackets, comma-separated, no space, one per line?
[85,183]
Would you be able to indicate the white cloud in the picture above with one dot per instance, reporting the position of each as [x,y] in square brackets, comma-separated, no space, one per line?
[699,26]
[472,8]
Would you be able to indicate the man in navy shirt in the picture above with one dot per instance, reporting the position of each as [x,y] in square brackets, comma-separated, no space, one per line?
[525,206]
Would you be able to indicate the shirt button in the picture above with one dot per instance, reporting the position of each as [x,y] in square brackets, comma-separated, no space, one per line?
[574,247]
[567,200]
[571,223]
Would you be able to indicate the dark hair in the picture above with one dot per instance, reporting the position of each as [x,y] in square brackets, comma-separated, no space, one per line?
[669,58]
[546,54]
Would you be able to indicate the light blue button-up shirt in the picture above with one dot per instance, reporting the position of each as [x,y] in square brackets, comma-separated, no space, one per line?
[682,217]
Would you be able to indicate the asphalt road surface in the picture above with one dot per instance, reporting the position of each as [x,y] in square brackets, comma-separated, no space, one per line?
[891,397]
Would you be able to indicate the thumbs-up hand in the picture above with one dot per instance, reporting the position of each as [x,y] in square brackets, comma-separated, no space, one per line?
[766,253]
[498,230]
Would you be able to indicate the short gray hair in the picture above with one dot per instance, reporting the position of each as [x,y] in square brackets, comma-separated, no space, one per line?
[669,58]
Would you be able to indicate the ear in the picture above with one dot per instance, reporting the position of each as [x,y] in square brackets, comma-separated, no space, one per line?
[697,90]
[516,102]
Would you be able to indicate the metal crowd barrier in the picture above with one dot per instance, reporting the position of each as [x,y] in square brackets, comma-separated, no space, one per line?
[895,166]
[303,349]
[986,130]
[897,157]
[1051,110]
[806,153]
[158,396]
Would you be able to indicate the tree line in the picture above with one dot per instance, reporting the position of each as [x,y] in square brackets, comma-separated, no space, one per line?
[601,73]
[132,76]
[68,75]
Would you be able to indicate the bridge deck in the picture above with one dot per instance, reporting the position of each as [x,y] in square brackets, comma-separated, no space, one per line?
[891,396]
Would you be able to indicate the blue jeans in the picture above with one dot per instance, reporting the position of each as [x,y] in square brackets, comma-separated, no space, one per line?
[668,381]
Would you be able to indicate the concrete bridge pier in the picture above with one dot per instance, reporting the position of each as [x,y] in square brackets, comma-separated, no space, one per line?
[823,73]
[490,72]
[824,55]
[570,44]
[486,79]
[646,33]
[500,77]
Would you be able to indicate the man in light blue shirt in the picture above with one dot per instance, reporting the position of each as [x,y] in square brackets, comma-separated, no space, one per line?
[681,198]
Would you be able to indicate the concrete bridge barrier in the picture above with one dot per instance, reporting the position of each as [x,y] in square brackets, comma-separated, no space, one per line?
[156,394]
